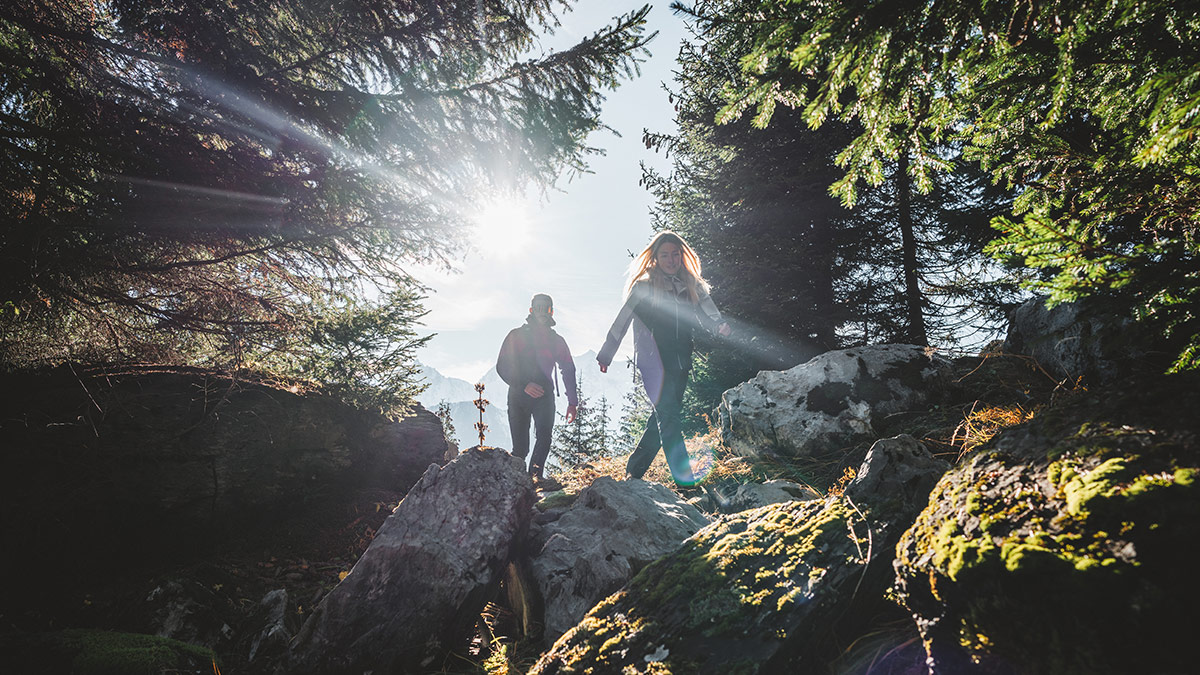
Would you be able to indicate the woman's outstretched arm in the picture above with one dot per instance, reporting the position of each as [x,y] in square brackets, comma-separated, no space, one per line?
[620,326]
[711,316]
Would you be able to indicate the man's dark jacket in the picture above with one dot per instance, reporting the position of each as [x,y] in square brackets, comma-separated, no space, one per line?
[529,354]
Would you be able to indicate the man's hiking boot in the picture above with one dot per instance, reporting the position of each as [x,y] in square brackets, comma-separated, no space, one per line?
[544,484]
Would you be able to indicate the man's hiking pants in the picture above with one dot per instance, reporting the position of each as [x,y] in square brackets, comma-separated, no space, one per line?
[521,409]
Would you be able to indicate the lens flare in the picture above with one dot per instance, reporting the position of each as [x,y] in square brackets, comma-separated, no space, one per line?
[703,458]
[502,228]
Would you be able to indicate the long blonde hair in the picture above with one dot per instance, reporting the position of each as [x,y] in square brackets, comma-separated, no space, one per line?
[644,266]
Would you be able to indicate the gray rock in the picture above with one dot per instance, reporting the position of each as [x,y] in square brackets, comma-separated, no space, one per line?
[899,468]
[753,495]
[829,402]
[273,613]
[186,610]
[764,590]
[1076,340]
[612,531]
[420,587]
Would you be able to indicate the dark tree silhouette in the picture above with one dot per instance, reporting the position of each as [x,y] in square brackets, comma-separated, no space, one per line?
[210,181]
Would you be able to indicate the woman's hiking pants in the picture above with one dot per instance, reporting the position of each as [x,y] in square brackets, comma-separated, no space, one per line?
[664,430]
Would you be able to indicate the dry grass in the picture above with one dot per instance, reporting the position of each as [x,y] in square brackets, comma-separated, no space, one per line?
[839,488]
[980,425]
[712,461]
[1001,391]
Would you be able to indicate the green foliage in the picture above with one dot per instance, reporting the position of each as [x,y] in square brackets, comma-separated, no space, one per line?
[585,439]
[96,652]
[1086,108]
[1074,250]
[220,182]
[443,414]
[797,272]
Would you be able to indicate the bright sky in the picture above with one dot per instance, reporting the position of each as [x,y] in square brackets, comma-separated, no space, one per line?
[574,244]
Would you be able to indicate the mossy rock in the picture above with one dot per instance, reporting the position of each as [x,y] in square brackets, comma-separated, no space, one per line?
[753,592]
[1067,544]
[95,652]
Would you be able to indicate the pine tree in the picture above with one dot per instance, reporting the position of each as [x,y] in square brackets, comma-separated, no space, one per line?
[586,438]
[448,430]
[228,183]
[635,411]
[795,271]
[1085,108]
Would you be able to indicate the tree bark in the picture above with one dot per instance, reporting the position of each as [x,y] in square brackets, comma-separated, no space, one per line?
[912,288]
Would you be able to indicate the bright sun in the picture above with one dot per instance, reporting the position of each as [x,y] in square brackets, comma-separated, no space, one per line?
[501,228]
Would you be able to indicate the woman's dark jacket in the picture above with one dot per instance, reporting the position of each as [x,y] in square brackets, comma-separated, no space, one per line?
[663,319]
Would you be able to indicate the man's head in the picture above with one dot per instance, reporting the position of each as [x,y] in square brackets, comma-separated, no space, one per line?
[541,307]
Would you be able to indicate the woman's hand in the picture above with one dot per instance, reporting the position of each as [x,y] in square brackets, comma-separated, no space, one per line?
[603,366]
[724,330]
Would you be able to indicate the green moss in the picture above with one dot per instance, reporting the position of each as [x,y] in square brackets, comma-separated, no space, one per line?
[954,552]
[720,583]
[559,499]
[1080,488]
[108,653]
[1027,556]
[1039,559]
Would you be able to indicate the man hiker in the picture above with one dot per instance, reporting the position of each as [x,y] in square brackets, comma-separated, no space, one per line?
[527,362]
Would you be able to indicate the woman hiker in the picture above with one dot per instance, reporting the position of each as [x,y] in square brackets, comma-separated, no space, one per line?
[666,298]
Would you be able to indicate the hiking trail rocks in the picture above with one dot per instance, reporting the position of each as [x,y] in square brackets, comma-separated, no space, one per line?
[420,587]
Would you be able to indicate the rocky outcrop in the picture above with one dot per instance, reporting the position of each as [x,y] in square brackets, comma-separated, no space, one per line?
[759,591]
[1079,340]
[609,534]
[1068,544]
[274,621]
[186,459]
[420,587]
[830,402]
[185,610]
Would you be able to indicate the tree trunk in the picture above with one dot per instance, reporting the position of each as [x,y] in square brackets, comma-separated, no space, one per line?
[912,289]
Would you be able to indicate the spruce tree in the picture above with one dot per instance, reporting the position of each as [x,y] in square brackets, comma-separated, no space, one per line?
[796,271]
[444,414]
[587,438]
[1085,108]
[230,183]
[635,411]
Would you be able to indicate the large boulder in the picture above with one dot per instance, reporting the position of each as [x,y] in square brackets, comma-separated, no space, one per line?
[1067,544]
[419,589]
[763,590]
[830,402]
[1080,340]
[609,534]
[185,458]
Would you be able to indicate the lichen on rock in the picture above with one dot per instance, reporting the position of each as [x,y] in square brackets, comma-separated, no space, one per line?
[760,590]
[1064,546]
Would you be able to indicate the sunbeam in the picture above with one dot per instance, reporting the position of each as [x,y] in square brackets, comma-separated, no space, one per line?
[502,228]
